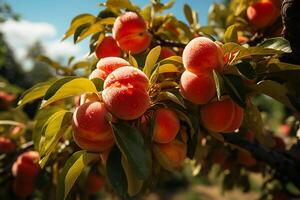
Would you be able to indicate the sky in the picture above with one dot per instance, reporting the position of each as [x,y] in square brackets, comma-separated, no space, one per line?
[47,20]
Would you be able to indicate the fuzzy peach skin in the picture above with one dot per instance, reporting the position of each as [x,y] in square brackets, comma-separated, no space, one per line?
[166,125]
[106,65]
[166,53]
[222,116]
[130,32]
[6,145]
[172,153]
[91,130]
[125,93]
[26,167]
[108,48]
[261,14]
[202,54]
[198,89]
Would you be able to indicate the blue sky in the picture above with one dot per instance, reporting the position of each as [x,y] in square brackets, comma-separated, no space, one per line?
[47,20]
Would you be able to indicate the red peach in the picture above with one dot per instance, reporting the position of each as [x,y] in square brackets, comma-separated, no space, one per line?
[106,65]
[166,125]
[94,183]
[125,93]
[261,14]
[108,48]
[198,89]
[6,145]
[91,130]
[202,54]
[130,32]
[166,53]
[222,116]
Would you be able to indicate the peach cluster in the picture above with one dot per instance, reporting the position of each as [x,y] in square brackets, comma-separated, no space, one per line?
[25,171]
[130,32]
[200,57]
[166,128]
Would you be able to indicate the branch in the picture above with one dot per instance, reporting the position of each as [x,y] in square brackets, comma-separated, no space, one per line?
[166,43]
[281,162]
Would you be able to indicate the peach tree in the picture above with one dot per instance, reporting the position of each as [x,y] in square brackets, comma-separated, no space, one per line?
[157,95]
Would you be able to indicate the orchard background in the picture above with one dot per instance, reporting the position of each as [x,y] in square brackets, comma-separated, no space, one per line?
[160,108]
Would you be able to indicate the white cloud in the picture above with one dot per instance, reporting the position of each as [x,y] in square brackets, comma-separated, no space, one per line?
[20,35]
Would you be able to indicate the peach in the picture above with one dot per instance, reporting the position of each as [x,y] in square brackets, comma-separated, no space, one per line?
[242,39]
[222,116]
[91,130]
[125,93]
[130,32]
[23,189]
[108,48]
[106,65]
[26,168]
[6,145]
[6,99]
[166,53]
[261,14]
[172,154]
[94,183]
[198,89]
[166,125]
[202,54]
[245,158]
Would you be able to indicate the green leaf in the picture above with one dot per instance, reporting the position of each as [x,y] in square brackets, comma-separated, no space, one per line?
[54,129]
[98,83]
[49,61]
[218,82]
[245,68]
[81,64]
[168,96]
[79,30]
[76,22]
[188,13]
[132,61]
[71,171]
[151,59]
[232,47]
[275,90]
[235,88]
[256,51]
[254,122]
[36,92]
[274,65]
[121,4]
[68,86]
[277,43]
[131,143]
[230,34]
[115,172]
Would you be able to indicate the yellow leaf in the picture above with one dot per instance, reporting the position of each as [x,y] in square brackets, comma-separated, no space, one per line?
[151,60]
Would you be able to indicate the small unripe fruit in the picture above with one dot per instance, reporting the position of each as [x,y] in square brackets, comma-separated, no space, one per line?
[261,14]
[202,54]
[166,125]
[166,53]
[130,32]
[108,48]
[91,130]
[26,168]
[198,89]
[6,145]
[222,116]
[125,93]
[107,65]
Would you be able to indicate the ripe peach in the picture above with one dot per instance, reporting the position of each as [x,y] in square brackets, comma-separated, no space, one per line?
[94,183]
[166,125]
[198,89]
[91,130]
[130,32]
[125,93]
[202,54]
[261,14]
[26,167]
[173,153]
[222,116]
[106,65]
[6,99]
[245,158]
[23,189]
[6,145]
[108,48]
[166,53]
